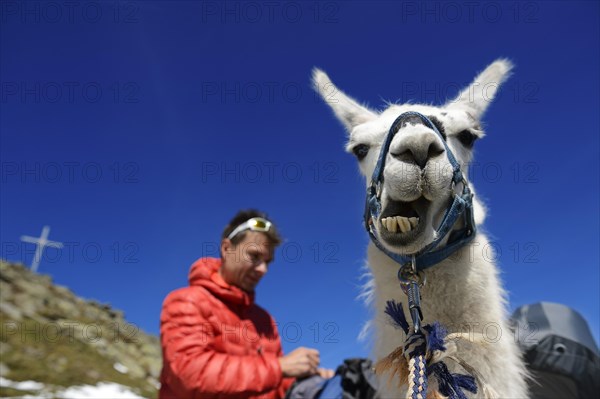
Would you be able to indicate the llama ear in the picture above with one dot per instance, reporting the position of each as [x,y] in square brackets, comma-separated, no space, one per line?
[479,94]
[347,110]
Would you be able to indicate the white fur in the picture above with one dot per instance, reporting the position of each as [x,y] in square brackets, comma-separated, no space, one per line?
[463,292]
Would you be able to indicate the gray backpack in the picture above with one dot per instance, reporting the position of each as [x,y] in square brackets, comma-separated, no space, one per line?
[560,352]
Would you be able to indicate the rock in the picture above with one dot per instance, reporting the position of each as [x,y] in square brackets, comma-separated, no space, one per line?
[33,288]
[93,374]
[6,290]
[116,314]
[135,370]
[27,304]
[4,348]
[92,314]
[3,370]
[11,311]
[62,291]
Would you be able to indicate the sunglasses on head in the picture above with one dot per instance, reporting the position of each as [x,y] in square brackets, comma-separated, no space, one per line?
[254,224]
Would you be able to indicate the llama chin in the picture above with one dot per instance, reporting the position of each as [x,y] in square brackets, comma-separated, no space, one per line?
[463,291]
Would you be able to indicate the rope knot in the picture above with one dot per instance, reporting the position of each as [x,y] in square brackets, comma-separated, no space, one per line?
[420,357]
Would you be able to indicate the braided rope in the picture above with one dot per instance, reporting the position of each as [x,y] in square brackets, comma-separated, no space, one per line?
[415,350]
[417,379]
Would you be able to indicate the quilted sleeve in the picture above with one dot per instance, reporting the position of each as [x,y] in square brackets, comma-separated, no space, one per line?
[287,382]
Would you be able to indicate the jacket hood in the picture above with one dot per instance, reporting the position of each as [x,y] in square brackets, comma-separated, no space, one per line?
[205,273]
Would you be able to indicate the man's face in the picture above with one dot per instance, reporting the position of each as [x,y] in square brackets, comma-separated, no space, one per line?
[246,263]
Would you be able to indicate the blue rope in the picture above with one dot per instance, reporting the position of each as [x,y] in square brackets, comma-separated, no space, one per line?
[395,311]
[451,385]
[435,337]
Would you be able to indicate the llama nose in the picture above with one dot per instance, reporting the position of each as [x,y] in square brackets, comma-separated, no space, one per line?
[418,149]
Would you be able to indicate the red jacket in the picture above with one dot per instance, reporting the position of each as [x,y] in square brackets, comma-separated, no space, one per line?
[217,343]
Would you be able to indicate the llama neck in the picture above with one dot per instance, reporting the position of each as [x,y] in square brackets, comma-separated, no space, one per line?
[466,278]
[464,295]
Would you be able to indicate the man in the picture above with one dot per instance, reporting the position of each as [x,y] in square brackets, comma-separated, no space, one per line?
[216,342]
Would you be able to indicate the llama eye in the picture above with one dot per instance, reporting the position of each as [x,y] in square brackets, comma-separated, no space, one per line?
[361,151]
[466,138]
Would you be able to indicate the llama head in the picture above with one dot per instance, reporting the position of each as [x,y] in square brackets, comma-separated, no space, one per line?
[417,186]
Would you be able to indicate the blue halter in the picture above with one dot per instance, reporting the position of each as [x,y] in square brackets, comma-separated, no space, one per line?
[461,205]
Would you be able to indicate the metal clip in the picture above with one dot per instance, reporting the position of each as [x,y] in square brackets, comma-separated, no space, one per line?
[411,280]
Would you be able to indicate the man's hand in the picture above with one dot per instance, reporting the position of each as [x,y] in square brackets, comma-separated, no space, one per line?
[326,373]
[302,362]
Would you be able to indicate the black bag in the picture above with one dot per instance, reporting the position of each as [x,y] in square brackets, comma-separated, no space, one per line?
[358,379]
[354,379]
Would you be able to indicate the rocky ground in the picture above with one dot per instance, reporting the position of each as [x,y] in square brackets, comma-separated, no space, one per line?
[51,337]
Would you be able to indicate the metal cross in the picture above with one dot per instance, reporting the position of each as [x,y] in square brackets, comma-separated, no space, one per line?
[40,242]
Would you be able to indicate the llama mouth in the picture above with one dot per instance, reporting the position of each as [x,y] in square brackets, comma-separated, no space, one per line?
[401,221]
[395,223]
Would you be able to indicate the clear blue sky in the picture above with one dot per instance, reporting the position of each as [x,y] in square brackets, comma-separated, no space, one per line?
[136,130]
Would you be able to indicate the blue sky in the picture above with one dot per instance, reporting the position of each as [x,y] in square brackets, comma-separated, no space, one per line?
[137,129]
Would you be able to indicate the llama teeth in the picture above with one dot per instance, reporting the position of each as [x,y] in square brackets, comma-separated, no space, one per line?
[392,225]
[384,223]
[403,223]
[413,222]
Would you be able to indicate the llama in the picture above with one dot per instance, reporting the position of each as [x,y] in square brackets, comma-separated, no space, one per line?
[463,291]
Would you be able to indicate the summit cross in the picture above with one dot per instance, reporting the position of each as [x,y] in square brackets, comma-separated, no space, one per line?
[40,242]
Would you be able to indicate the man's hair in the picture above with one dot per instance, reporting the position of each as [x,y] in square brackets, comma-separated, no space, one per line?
[244,215]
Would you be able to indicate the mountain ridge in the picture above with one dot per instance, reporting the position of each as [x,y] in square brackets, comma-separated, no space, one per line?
[52,336]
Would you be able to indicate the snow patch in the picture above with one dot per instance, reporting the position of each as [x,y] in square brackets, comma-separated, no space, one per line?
[21,385]
[102,390]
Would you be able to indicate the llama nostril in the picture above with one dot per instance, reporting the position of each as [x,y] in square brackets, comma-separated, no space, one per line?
[434,150]
[404,156]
